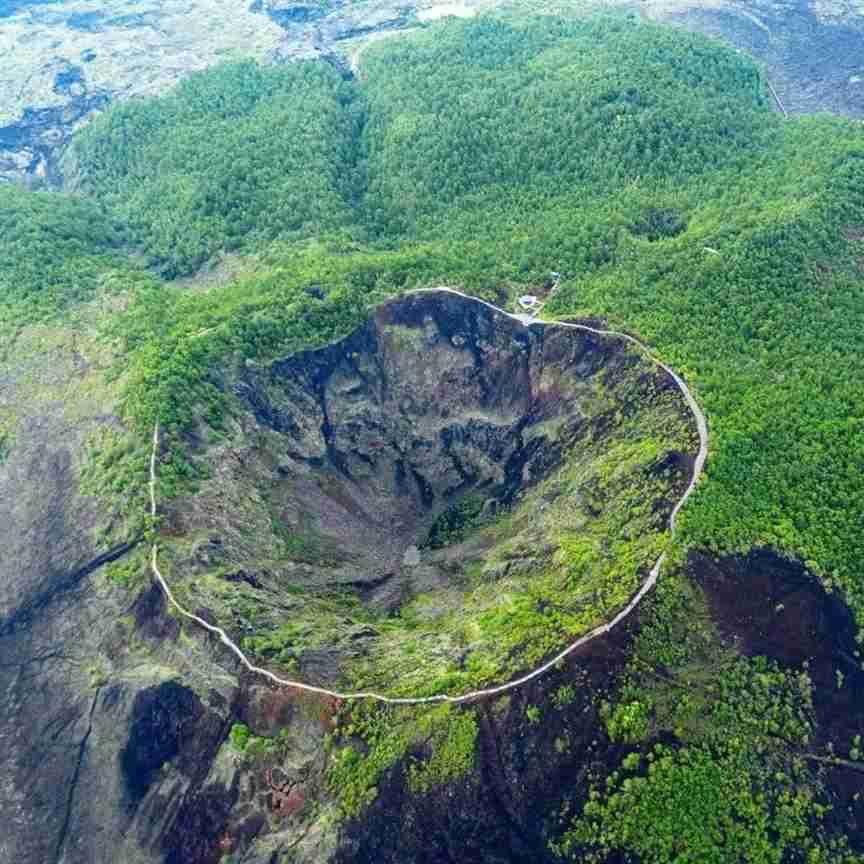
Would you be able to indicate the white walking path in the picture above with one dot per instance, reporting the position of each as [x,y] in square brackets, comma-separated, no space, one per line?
[601,630]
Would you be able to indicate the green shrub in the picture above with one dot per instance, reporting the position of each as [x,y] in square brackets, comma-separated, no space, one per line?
[627,721]
[239,737]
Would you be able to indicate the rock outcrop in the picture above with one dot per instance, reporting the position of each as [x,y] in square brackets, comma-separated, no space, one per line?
[113,734]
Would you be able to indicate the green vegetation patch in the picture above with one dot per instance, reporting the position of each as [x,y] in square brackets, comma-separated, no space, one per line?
[465,113]
[55,251]
[646,167]
[117,470]
[236,156]
[132,570]
[372,739]
[457,521]
[573,551]
[7,434]
[695,805]
[656,180]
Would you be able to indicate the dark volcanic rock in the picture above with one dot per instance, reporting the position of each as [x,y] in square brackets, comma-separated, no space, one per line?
[433,397]
[163,719]
[286,13]
[78,675]
[113,735]
[31,146]
[194,837]
[813,62]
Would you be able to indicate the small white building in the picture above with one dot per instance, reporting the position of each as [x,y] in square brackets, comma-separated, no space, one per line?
[528,302]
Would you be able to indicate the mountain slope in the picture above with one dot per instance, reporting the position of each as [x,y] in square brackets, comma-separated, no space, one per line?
[645,168]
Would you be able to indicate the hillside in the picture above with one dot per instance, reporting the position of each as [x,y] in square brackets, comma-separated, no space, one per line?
[374,489]
[66,62]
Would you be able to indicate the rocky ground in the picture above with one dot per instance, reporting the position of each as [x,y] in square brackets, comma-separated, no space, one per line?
[812,50]
[64,61]
[114,737]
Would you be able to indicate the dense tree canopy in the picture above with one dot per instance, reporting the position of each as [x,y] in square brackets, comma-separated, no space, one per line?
[236,156]
[53,249]
[472,111]
[642,163]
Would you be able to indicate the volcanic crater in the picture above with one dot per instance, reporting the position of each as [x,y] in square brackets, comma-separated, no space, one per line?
[447,488]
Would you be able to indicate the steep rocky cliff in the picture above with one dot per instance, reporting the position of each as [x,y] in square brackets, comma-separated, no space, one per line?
[85,728]
[439,463]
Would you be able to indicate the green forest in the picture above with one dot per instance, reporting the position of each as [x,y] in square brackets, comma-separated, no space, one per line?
[645,165]
[239,156]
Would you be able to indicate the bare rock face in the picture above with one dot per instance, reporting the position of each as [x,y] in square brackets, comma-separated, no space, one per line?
[116,735]
[435,396]
[64,61]
[113,734]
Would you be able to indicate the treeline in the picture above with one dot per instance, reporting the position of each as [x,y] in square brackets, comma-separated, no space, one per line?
[241,155]
[642,163]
